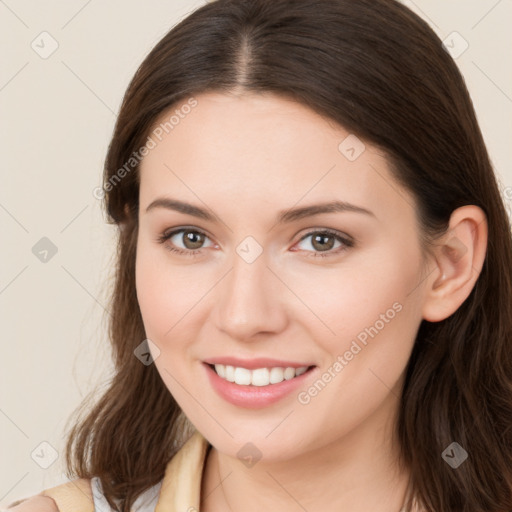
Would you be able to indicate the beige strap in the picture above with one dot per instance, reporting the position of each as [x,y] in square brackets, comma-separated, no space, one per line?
[181,486]
[73,496]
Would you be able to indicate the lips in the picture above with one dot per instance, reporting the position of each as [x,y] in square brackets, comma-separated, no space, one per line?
[256,383]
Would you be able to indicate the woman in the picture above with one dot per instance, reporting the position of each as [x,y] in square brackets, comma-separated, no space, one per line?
[313,299]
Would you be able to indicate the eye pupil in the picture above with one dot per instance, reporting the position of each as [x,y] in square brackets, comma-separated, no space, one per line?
[323,245]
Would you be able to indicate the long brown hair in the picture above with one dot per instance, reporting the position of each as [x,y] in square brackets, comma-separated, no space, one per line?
[378,70]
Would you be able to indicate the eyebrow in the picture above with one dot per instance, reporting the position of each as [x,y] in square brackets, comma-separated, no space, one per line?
[284,216]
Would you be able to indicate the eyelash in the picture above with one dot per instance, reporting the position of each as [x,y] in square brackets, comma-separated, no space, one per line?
[346,241]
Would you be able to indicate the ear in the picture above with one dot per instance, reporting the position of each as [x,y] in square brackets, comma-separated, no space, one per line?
[458,257]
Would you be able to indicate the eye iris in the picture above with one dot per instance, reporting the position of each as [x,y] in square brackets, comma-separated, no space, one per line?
[322,238]
[190,235]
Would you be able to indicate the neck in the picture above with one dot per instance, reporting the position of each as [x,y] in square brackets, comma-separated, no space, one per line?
[355,473]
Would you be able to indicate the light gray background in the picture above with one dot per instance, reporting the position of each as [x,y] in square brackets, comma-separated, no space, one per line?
[57,115]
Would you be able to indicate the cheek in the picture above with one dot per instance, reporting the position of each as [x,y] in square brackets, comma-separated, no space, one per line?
[150,285]
[164,299]
[162,294]
[371,312]
[374,318]
[165,292]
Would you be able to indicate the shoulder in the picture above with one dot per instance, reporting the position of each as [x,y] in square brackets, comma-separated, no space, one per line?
[77,492]
[38,503]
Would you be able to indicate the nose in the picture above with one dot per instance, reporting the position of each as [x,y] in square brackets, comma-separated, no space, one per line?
[250,300]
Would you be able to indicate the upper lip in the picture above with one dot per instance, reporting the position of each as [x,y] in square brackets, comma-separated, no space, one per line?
[258,362]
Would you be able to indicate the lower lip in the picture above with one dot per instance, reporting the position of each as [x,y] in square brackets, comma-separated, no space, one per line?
[254,397]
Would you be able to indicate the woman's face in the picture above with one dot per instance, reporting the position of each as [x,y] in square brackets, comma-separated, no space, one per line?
[268,277]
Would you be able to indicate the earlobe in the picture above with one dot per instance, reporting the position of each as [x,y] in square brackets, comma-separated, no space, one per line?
[458,260]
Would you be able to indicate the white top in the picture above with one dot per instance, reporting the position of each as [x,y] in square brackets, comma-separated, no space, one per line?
[145,502]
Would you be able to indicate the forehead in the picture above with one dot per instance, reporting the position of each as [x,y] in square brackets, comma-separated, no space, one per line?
[263,149]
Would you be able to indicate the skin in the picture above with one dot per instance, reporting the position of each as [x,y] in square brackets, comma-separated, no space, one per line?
[245,158]
[36,503]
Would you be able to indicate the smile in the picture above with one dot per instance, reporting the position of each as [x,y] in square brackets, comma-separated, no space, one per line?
[258,382]
[258,376]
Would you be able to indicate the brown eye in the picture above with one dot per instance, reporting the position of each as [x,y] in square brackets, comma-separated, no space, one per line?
[186,241]
[192,239]
[322,242]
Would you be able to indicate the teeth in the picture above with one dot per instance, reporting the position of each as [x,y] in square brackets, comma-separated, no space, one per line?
[258,377]
[230,373]
[242,376]
[276,375]
[289,373]
[221,370]
[300,371]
